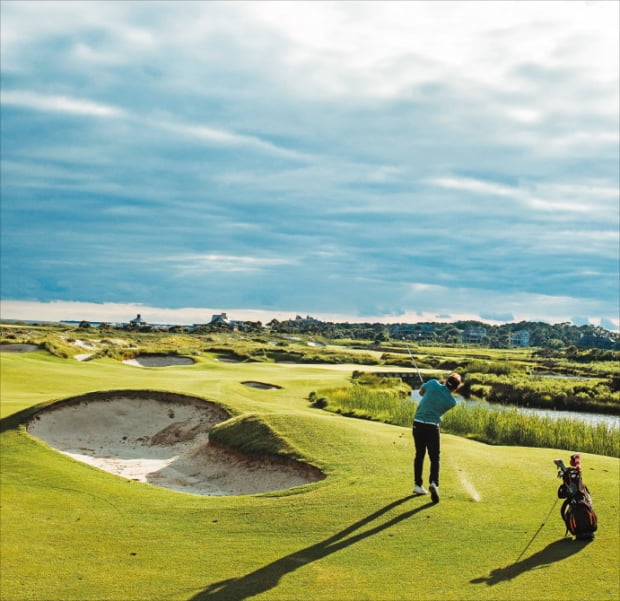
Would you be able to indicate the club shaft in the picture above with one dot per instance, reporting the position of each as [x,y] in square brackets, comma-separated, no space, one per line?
[414,364]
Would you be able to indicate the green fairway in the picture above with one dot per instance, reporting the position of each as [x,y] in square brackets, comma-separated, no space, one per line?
[71,532]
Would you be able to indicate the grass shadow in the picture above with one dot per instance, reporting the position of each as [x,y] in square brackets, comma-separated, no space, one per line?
[267,577]
[555,551]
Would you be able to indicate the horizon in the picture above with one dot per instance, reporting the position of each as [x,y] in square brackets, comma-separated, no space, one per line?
[116,314]
[365,161]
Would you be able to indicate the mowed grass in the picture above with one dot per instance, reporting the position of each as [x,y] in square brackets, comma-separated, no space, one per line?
[72,532]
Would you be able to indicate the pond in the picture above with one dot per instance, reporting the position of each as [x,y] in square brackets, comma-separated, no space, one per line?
[559,377]
[612,421]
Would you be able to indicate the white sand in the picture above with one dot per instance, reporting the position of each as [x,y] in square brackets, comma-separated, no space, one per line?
[85,345]
[164,443]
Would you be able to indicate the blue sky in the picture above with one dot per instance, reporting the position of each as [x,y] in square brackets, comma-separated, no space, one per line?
[360,161]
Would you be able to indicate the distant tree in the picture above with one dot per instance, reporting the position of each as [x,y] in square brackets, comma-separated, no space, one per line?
[555,343]
[380,337]
[250,326]
[448,333]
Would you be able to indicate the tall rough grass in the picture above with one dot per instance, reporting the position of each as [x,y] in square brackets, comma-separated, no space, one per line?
[479,421]
[593,394]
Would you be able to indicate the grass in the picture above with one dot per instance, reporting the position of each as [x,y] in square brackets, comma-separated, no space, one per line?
[252,435]
[507,426]
[72,532]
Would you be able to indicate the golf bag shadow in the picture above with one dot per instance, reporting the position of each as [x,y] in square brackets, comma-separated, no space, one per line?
[576,511]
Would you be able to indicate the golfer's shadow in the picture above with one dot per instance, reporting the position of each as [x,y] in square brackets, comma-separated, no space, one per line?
[555,551]
[267,577]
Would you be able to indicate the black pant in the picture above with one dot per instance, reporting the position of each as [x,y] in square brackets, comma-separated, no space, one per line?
[426,438]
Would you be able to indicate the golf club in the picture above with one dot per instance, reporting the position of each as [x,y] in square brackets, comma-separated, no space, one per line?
[414,364]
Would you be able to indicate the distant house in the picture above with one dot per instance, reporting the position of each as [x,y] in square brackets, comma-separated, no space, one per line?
[474,335]
[137,322]
[222,321]
[222,318]
[415,331]
[520,338]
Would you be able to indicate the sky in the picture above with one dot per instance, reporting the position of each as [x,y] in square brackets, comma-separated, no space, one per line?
[353,161]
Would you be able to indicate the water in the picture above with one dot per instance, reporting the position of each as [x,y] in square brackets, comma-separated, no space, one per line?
[611,421]
[555,376]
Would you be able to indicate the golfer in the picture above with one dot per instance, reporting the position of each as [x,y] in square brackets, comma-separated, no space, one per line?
[436,399]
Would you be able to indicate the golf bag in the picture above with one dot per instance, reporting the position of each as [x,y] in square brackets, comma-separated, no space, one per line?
[576,511]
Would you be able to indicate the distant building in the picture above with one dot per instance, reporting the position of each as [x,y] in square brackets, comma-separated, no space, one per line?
[222,321]
[222,318]
[138,322]
[520,338]
[415,331]
[474,335]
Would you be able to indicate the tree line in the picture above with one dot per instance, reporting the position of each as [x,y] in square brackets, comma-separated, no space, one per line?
[541,334]
[544,335]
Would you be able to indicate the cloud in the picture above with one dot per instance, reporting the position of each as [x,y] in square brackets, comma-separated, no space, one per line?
[79,106]
[206,263]
[226,138]
[540,197]
[363,50]
[370,159]
[497,317]
[475,186]
[60,104]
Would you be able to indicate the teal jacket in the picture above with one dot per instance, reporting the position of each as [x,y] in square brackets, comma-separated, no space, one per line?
[436,400]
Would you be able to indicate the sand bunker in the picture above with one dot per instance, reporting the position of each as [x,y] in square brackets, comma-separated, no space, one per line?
[12,347]
[162,439]
[159,361]
[85,345]
[261,385]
